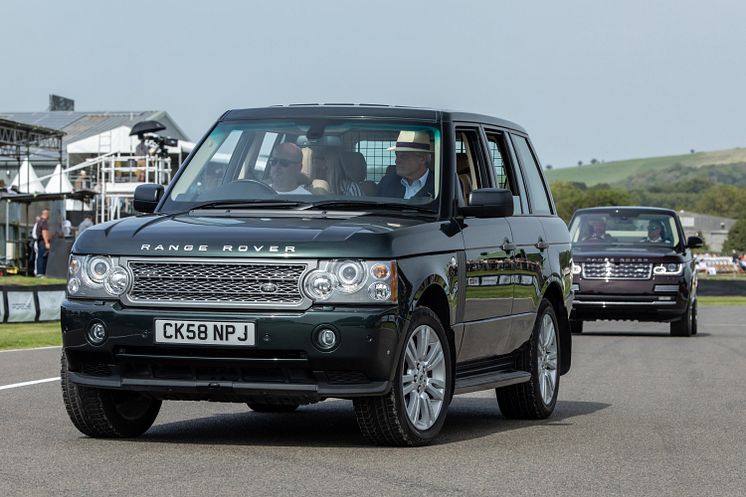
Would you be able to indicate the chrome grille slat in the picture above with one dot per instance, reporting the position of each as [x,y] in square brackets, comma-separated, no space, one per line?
[617,271]
[217,283]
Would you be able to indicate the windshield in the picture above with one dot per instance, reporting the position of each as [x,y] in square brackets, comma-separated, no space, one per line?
[286,162]
[624,228]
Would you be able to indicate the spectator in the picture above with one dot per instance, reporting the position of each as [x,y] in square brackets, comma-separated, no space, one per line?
[41,231]
[143,153]
[81,182]
[67,228]
[85,224]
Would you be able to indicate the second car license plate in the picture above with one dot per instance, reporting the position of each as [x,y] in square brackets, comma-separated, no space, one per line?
[204,332]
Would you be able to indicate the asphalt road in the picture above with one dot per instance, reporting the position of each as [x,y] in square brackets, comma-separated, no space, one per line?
[640,413]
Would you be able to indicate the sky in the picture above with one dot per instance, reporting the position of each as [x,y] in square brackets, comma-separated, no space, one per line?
[588,79]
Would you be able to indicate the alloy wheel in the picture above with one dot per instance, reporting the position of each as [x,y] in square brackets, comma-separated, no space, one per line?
[423,377]
[547,359]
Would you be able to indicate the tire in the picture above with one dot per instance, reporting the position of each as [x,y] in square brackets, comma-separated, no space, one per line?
[536,398]
[576,326]
[101,413]
[413,412]
[684,327]
[272,407]
[694,317]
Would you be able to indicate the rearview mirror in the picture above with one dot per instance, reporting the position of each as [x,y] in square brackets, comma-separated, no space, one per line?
[147,197]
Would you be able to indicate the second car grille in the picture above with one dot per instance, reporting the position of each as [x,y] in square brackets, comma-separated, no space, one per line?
[617,271]
[216,283]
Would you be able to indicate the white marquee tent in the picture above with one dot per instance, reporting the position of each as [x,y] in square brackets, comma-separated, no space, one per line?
[26,180]
[59,183]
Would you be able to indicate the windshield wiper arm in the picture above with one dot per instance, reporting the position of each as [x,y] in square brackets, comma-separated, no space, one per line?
[239,204]
[366,204]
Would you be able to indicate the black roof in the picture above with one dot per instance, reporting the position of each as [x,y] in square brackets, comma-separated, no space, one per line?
[364,110]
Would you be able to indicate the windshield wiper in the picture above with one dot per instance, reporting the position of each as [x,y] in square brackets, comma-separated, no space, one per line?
[240,204]
[362,204]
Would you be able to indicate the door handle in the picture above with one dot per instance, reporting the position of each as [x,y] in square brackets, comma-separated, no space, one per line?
[507,246]
[541,244]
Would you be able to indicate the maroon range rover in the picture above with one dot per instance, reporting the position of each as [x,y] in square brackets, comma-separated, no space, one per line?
[633,263]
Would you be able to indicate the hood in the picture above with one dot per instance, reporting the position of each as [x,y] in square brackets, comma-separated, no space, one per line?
[314,236]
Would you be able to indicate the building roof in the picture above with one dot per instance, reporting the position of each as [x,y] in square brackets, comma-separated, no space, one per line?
[81,125]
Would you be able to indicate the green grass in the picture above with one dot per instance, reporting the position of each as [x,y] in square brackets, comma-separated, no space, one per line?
[727,300]
[29,281]
[29,335]
[616,171]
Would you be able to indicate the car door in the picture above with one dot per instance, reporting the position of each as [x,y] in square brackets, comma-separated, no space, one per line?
[488,295]
[528,256]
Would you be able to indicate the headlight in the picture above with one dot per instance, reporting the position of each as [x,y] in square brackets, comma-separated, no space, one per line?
[352,281]
[96,276]
[670,269]
[576,268]
[98,268]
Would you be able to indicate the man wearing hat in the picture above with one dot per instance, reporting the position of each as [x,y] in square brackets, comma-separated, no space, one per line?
[413,178]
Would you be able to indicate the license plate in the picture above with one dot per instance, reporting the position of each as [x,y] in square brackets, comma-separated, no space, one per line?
[204,332]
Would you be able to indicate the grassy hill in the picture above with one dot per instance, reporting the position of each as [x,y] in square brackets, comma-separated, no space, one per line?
[620,171]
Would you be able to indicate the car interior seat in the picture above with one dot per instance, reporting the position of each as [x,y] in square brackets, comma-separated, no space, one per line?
[464,174]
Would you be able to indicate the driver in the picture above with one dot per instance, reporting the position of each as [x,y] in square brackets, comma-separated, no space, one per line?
[285,170]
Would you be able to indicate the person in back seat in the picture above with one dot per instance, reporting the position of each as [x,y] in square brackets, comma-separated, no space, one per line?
[413,177]
[327,166]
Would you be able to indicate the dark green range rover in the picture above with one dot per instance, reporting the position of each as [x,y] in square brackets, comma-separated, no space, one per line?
[393,256]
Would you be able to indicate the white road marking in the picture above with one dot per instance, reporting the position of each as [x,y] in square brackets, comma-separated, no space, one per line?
[28,383]
[35,348]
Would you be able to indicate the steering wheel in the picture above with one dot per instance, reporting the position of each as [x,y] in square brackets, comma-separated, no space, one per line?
[255,186]
[240,189]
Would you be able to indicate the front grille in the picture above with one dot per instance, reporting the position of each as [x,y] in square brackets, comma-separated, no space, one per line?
[617,270]
[216,283]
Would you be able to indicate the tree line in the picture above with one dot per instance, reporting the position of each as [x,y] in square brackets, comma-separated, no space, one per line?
[718,191]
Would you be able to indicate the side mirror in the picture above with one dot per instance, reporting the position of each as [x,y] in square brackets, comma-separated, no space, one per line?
[694,242]
[147,197]
[489,202]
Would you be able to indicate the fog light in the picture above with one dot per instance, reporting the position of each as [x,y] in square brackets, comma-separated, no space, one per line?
[73,286]
[97,333]
[326,339]
[379,291]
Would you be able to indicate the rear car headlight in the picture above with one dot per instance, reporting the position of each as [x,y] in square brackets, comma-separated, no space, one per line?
[668,269]
[352,281]
[96,276]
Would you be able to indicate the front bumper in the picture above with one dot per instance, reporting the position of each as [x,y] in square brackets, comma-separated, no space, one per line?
[657,299]
[284,366]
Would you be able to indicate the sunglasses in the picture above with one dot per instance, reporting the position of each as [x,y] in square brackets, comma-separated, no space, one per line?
[653,228]
[276,161]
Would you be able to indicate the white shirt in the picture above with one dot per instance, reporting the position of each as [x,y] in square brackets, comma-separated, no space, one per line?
[298,191]
[410,190]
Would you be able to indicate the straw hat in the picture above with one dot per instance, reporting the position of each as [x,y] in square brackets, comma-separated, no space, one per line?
[412,141]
